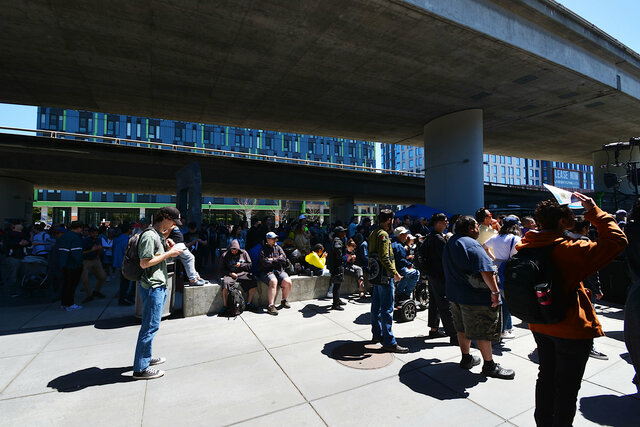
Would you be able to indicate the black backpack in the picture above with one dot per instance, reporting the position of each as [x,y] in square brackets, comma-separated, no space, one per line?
[530,281]
[131,269]
[235,301]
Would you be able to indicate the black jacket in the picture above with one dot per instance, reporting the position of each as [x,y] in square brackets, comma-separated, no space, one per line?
[432,250]
[334,259]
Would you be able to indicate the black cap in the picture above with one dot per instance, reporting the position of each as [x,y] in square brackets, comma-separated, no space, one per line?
[172,213]
[339,229]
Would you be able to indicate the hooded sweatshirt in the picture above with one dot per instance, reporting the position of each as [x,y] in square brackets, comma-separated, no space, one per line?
[574,262]
[228,261]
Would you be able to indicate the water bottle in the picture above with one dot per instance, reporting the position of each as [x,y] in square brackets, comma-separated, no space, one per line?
[543,292]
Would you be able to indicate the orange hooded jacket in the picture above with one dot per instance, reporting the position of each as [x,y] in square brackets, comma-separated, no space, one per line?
[575,261]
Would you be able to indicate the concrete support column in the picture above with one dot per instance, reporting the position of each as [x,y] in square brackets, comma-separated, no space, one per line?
[143,211]
[453,162]
[44,214]
[16,201]
[341,209]
[189,200]
[601,162]
[74,214]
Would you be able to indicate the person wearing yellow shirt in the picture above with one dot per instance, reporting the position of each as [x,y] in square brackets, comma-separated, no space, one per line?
[317,259]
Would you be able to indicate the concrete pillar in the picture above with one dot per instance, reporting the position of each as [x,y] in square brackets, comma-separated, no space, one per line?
[189,199]
[604,195]
[341,209]
[44,214]
[453,162]
[74,213]
[16,201]
[143,211]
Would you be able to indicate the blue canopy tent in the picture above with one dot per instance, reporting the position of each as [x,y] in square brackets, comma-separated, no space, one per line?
[418,211]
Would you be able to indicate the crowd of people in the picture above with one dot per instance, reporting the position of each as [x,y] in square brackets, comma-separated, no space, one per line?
[461,259]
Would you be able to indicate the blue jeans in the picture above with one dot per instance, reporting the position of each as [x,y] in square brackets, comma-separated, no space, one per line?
[507,324]
[382,313]
[152,306]
[409,280]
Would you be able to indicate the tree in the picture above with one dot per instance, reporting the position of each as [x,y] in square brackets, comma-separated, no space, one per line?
[281,211]
[314,212]
[246,208]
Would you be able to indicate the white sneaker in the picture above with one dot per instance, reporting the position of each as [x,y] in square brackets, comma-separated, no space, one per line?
[73,307]
[507,335]
[330,293]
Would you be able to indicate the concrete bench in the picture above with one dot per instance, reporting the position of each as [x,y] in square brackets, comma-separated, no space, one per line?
[207,299]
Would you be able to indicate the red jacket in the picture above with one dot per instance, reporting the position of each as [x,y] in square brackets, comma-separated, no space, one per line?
[575,261]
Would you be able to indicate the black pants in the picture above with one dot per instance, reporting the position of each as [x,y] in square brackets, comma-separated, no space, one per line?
[70,279]
[124,288]
[562,363]
[434,314]
[440,296]
[337,282]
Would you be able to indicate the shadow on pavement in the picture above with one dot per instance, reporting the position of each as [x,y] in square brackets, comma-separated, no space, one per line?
[346,350]
[118,322]
[416,344]
[311,310]
[363,319]
[616,335]
[90,377]
[423,384]
[611,410]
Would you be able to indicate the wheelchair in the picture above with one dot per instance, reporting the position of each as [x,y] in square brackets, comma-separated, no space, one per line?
[405,310]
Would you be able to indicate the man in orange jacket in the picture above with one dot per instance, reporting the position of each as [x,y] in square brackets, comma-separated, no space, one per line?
[563,348]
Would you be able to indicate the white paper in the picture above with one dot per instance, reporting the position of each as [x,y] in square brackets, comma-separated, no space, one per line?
[564,197]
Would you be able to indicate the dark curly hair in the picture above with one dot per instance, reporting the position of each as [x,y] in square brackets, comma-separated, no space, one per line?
[549,212]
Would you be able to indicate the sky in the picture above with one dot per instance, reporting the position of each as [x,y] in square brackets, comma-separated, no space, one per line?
[618,18]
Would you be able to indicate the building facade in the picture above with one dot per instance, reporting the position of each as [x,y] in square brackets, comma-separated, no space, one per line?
[93,207]
[500,169]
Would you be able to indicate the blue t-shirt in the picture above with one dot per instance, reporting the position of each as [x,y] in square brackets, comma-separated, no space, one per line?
[464,255]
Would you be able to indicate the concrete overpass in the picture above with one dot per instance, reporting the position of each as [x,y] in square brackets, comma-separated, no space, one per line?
[538,80]
[68,164]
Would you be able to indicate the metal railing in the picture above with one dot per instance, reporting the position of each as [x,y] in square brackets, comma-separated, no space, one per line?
[101,139]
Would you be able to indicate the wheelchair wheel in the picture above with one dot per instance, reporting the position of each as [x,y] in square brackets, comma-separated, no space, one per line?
[407,311]
[421,295]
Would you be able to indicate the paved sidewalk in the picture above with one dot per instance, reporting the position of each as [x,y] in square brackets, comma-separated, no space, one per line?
[262,370]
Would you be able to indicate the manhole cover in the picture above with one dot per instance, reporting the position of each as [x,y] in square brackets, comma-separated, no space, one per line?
[362,355]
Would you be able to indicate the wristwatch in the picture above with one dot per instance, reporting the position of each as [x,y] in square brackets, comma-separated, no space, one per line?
[495,293]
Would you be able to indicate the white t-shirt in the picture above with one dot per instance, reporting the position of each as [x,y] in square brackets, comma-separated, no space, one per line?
[503,245]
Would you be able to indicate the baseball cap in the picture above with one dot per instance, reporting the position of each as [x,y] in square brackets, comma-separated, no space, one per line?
[272,235]
[302,217]
[339,229]
[171,212]
[511,220]
[400,230]
[143,220]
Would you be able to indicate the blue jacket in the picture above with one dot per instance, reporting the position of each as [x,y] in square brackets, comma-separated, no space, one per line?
[70,250]
[400,255]
[119,247]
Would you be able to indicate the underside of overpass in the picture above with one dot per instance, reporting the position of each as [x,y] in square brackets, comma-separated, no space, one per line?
[549,84]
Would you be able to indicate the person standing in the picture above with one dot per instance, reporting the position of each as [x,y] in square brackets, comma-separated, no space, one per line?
[119,248]
[487,225]
[382,295]
[91,249]
[501,247]
[432,251]
[475,309]
[153,289]
[70,260]
[632,306]
[336,265]
[564,347]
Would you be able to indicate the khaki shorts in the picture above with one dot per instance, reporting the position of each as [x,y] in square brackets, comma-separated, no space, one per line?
[477,322]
